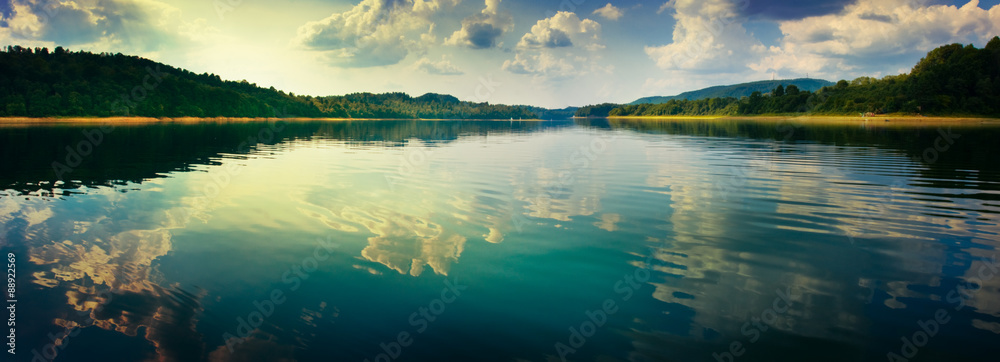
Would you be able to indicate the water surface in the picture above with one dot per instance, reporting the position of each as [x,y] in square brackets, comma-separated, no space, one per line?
[646,240]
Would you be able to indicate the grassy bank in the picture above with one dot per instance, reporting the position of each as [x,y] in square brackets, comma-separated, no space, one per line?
[814,118]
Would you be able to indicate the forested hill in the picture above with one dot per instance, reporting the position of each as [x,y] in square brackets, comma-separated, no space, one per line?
[740,90]
[952,80]
[40,83]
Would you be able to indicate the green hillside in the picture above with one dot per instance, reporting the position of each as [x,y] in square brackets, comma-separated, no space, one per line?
[739,90]
[40,83]
[952,80]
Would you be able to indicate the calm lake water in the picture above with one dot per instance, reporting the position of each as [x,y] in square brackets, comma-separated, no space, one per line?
[503,241]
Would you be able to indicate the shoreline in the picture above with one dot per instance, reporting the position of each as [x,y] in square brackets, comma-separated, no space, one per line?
[826,119]
[818,119]
[34,121]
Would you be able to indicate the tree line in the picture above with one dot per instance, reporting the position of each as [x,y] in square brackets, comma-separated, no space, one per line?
[952,80]
[39,83]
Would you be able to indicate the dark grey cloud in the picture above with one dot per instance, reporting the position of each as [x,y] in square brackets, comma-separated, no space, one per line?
[6,11]
[483,30]
[820,36]
[791,9]
[483,35]
[876,17]
[64,24]
[557,39]
[73,24]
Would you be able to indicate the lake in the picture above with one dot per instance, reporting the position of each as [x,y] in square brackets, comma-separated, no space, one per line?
[587,240]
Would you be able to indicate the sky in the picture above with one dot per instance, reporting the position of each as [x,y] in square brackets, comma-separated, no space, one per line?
[549,53]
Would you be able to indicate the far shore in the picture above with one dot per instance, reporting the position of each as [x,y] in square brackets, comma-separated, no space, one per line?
[882,119]
[904,119]
[30,121]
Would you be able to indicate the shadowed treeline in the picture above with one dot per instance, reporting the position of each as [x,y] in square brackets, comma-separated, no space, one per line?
[39,83]
[972,147]
[35,156]
[951,80]
[134,153]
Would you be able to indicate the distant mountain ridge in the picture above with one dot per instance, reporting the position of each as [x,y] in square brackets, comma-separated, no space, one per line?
[952,80]
[739,90]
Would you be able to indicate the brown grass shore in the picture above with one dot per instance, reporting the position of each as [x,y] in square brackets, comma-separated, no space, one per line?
[895,119]
[151,120]
[32,121]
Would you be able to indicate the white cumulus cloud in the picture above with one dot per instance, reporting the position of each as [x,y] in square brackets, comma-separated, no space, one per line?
[559,47]
[564,29]
[374,32]
[866,34]
[539,64]
[441,67]
[708,37]
[609,12]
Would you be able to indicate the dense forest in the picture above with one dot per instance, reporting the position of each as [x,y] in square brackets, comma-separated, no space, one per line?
[952,80]
[60,83]
[599,110]
[739,90]
[401,105]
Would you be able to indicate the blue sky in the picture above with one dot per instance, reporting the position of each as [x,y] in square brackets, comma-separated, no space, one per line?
[551,53]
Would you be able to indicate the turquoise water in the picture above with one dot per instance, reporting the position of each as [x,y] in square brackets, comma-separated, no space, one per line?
[503,241]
